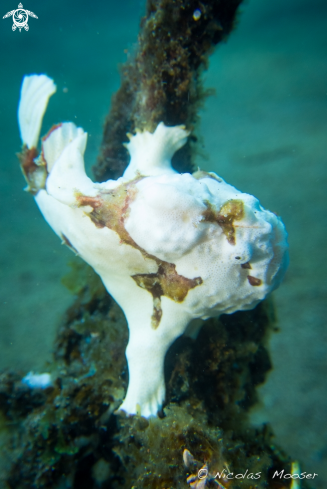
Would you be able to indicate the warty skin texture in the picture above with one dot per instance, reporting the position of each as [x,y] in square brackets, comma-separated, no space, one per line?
[171,249]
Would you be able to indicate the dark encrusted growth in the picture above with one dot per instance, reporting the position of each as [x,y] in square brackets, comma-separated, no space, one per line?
[68,436]
[57,431]
[161,81]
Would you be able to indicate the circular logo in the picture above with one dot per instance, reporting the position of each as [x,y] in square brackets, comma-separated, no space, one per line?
[203,473]
[20,18]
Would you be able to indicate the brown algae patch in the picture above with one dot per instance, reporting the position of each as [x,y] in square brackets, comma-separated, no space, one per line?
[198,175]
[232,210]
[254,281]
[34,174]
[166,282]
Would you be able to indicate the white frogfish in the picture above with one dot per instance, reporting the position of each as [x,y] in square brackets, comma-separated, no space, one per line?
[172,249]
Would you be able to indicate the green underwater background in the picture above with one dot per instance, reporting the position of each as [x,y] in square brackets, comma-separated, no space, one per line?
[264,130]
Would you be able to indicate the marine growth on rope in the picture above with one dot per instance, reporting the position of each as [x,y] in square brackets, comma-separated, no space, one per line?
[172,249]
